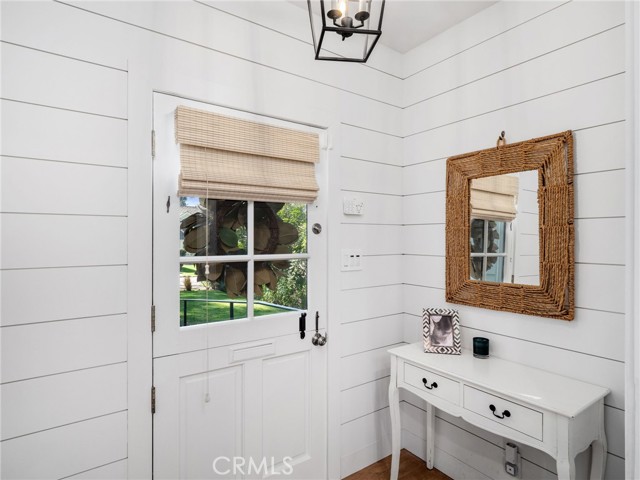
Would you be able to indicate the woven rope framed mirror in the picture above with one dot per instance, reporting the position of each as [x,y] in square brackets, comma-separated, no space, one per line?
[485,190]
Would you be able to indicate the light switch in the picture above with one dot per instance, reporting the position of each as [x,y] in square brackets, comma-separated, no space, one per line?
[351,260]
[352,206]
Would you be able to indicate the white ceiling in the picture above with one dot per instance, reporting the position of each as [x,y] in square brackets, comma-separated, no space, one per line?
[409,23]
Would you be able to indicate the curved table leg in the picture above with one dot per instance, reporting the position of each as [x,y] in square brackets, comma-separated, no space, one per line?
[566,469]
[599,455]
[431,420]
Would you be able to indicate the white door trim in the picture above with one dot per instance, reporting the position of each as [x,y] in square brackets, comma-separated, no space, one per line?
[632,271]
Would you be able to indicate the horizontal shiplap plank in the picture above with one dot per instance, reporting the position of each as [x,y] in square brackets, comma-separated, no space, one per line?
[424,240]
[112,471]
[372,239]
[600,287]
[35,241]
[36,350]
[36,186]
[70,397]
[376,271]
[231,77]
[84,34]
[363,176]
[577,335]
[33,131]
[423,270]
[564,26]
[424,209]
[600,240]
[491,22]
[589,60]
[364,399]
[614,429]
[364,441]
[69,293]
[41,78]
[599,148]
[363,303]
[571,109]
[365,335]
[364,367]
[430,176]
[215,30]
[369,145]
[378,209]
[67,450]
[600,194]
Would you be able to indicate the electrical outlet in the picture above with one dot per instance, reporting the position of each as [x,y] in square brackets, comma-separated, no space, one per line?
[512,460]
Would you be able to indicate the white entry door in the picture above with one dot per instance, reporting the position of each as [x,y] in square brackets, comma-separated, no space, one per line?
[238,392]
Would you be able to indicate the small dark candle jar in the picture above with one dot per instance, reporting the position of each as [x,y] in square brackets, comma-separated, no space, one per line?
[480,347]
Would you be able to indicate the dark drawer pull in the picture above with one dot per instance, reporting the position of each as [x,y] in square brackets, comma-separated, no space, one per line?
[506,413]
[433,385]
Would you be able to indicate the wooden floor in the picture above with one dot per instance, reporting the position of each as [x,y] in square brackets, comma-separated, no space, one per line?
[411,468]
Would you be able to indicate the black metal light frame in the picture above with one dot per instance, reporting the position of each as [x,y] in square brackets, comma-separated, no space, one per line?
[347,31]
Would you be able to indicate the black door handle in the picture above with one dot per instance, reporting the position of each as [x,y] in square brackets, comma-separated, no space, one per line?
[302,325]
[506,413]
[433,385]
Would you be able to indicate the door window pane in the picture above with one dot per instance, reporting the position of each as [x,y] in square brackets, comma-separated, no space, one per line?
[281,284]
[280,228]
[477,235]
[212,227]
[215,296]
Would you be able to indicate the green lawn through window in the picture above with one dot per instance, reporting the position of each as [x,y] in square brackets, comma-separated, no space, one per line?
[198,309]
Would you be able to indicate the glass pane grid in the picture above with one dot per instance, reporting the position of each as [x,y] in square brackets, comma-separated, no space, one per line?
[241,259]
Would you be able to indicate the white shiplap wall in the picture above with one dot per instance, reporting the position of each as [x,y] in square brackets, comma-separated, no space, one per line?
[371,317]
[63,265]
[494,72]
[76,105]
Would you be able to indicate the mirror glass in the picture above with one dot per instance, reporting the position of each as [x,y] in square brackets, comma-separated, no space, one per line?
[504,228]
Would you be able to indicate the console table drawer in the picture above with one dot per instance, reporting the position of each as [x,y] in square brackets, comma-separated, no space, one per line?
[433,383]
[515,416]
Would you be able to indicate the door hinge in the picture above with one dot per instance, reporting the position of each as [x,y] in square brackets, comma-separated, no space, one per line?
[153,144]
[153,318]
[153,400]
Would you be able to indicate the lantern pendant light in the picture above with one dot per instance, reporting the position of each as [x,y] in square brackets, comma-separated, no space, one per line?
[345,30]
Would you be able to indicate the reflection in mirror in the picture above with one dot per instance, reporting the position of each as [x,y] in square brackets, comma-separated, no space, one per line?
[504,230]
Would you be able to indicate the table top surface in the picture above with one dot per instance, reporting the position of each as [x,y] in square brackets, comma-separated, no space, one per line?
[556,393]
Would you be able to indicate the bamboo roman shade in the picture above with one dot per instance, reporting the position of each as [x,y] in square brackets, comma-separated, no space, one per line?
[230,158]
[494,197]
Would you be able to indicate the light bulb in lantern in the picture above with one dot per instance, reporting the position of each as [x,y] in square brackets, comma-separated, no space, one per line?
[362,14]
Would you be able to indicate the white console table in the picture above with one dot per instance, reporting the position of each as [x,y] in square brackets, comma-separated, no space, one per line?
[558,415]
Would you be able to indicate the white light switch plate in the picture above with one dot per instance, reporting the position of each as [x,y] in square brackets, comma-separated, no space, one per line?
[351,260]
[352,206]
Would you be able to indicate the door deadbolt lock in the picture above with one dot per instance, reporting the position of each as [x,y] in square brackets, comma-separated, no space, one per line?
[318,339]
[316,228]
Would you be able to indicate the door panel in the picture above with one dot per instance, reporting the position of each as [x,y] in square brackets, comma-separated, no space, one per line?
[209,428]
[267,410]
[243,398]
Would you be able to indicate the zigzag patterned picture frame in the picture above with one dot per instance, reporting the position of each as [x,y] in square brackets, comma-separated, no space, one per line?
[441,331]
